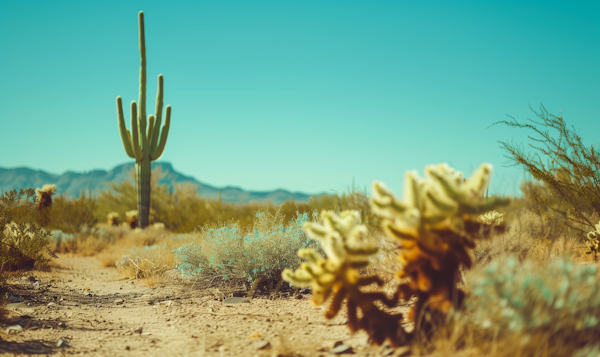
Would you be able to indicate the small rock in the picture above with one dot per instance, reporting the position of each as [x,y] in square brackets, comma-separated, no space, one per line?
[62,324]
[261,345]
[119,301]
[138,330]
[166,303]
[235,300]
[341,349]
[14,328]
[50,304]
[62,343]
[328,345]
[128,348]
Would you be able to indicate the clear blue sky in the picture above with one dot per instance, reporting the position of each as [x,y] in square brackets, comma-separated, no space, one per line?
[301,95]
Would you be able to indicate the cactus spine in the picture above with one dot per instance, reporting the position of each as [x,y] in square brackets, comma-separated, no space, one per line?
[144,146]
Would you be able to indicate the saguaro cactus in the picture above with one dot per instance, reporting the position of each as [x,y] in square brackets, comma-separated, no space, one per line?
[144,146]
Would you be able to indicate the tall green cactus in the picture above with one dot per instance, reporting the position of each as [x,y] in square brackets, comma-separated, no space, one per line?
[144,146]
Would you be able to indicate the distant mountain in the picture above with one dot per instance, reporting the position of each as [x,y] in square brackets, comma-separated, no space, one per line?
[73,183]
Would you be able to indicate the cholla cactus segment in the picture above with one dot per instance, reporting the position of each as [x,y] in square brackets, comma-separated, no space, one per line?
[467,194]
[593,242]
[47,188]
[131,215]
[491,217]
[344,240]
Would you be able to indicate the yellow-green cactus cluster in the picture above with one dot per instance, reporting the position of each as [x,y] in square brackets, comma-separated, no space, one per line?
[593,241]
[113,219]
[435,223]
[344,240]
[492,218]
[132,218]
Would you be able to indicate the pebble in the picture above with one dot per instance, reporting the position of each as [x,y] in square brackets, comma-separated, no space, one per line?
[166,303]
[341,349]
[14,328]
[119,301]
[262,345]
[235,300]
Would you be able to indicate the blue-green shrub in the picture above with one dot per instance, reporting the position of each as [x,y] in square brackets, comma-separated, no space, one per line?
[528,303]
[229,252]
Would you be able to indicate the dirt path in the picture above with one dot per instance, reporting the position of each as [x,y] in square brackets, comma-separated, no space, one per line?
[117,317]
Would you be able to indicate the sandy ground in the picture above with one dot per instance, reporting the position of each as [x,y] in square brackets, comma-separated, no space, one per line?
[118,317]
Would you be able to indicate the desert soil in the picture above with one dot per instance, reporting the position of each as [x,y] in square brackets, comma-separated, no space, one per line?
[120,317]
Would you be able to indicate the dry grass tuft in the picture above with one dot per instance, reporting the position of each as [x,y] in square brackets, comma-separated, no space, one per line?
[146,262]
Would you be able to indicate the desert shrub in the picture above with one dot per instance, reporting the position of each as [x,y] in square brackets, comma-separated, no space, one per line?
[23,244]
[88,241]
[532,309]
[571,171]
[72,215]
[145,262]
[234,253]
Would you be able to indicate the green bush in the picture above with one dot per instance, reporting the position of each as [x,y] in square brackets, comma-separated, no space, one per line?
[23,244]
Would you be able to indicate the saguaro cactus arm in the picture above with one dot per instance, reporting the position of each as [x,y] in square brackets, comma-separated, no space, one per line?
[154,130]
[135,142]
[125,136]
[163,136]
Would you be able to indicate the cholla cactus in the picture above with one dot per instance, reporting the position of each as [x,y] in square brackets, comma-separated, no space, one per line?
[132,218]
[113,219]
[492,217]
[45,195]
[593,242]
[435,224]
[344,241]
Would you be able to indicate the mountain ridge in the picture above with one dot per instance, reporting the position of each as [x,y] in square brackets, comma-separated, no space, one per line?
[72,183]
